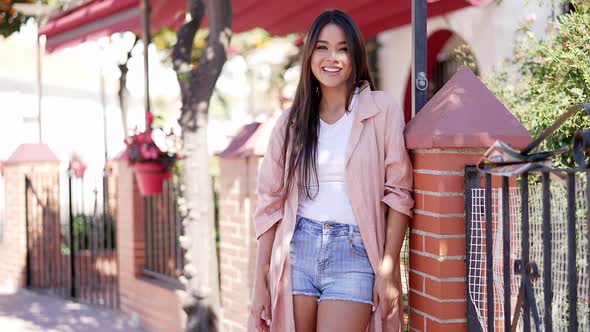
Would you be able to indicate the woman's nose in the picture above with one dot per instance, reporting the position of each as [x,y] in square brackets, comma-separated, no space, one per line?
[333,55]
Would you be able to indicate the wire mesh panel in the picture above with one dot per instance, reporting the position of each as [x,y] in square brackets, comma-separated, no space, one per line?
[551,286]
[163,253]
[405,275]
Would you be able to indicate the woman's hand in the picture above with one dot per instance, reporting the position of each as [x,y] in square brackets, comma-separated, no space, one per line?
[260,307]
[385,290]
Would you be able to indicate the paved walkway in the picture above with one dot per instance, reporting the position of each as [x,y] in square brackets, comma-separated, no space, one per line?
[26,311]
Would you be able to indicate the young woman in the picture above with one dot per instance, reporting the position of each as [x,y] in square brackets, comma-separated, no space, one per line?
[334,197]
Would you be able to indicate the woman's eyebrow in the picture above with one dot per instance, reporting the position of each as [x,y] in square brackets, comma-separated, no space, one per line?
[325,42]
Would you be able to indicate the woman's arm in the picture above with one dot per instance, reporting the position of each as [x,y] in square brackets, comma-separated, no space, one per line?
[263,254]
[267,216]
[397,196]
[386,293]
[261,304]
[397,223]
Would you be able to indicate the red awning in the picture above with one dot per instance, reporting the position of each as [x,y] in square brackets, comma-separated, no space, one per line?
[103,17]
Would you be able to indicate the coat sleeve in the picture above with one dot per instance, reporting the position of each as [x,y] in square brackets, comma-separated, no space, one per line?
[270,208]
[398,167]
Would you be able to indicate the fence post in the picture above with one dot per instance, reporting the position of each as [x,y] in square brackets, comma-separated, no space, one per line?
[451,131]
[34,161]
[238,166]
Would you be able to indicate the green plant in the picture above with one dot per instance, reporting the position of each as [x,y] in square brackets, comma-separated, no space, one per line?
[547,76]
[92,232]
[10,19]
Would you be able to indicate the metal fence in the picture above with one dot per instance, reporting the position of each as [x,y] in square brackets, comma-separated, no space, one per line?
[527,251]
[71,247]
[164,257]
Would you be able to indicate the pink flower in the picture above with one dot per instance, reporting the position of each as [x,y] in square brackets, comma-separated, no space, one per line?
[147,138]
[149,119]
[531,18]
[149,151]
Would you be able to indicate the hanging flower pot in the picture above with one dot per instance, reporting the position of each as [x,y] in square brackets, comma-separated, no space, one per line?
[153,163]
[150,178]
[77,166]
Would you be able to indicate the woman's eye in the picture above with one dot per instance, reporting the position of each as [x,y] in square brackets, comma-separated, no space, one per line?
[344,49]
[321,47]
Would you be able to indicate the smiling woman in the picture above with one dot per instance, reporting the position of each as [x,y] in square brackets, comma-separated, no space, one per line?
[329,244]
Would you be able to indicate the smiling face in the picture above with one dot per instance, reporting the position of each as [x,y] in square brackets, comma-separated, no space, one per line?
[331,62]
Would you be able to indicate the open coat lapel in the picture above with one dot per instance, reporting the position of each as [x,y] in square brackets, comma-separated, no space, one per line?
[366,108]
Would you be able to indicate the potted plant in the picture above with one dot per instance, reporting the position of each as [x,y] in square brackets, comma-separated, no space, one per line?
[152,154]
[77,166]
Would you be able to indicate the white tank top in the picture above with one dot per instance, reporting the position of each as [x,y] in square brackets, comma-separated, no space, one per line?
[331,202]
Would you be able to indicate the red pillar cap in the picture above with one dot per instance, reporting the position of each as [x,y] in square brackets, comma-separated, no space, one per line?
[32,153]
[464,114]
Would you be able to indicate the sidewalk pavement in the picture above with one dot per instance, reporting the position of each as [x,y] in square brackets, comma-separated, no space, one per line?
[26,311]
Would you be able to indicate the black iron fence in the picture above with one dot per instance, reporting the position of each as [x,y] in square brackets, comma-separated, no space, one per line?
[71,243]
[47,263]
[164,257]
[527,251]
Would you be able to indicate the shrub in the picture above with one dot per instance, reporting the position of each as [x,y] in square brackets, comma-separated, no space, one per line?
[547,76]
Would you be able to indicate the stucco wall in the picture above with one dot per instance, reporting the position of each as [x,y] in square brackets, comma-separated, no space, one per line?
[490,31]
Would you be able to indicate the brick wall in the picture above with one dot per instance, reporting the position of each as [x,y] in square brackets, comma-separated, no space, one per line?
[437,240]
[154,304]
[13,243]
[237,192]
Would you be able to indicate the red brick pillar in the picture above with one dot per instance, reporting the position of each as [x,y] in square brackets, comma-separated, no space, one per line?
[450,132]
[239,165]
[149,302]
[40,164]
[130,228]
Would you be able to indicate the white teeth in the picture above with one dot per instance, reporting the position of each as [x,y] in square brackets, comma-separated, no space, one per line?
[332,70]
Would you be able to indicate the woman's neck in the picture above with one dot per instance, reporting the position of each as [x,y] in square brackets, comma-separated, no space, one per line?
[333,99]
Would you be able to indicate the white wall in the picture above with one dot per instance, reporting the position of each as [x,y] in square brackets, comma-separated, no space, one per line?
[490,31]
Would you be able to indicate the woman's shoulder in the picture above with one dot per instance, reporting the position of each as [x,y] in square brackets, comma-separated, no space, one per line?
[278,121]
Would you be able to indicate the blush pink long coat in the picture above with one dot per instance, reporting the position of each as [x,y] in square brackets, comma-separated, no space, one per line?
[378,176]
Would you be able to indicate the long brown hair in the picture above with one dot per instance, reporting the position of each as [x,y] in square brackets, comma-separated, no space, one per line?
[301,163]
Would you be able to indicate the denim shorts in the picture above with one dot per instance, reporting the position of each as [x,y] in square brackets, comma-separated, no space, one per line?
[329,261]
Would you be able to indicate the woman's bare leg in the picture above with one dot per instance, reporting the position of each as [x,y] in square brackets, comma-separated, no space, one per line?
[343,316]
[305,309]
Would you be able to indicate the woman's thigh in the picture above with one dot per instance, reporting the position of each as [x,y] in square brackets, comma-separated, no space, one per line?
[305,309]
[343,316]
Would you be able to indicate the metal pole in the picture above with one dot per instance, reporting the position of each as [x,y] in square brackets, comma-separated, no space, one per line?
[506,250]
[489,253]
[27,233]
[419,54]
[39,84]
[146,9]
[72,239]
